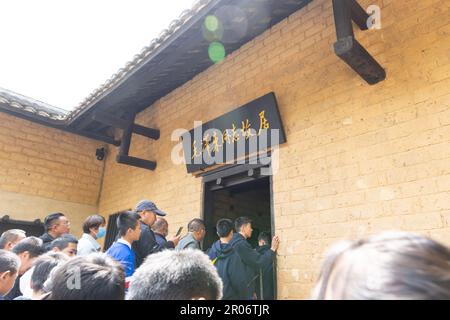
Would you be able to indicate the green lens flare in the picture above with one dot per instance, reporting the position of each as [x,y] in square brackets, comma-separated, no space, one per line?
[211,23]
[216,52]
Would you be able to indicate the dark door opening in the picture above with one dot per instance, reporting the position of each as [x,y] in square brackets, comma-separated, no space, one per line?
[239,195]
[250,199]
[31,228]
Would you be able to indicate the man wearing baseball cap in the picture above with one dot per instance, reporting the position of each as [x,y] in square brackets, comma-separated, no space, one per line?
[147,243]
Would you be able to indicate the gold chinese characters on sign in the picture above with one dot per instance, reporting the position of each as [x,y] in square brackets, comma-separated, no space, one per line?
[229,136]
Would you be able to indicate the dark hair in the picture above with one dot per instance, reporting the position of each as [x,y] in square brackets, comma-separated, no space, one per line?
[196,225]
[224,227]
[241,221]
[176,275]
[264,236]
[43,266]
[100,278]
[391,265]
[62,242]
[31,244]
[94,221]
[127,220]
[50,220]
[10,236]
[9,262]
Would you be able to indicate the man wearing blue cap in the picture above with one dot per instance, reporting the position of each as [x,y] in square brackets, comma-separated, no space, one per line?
[147,243]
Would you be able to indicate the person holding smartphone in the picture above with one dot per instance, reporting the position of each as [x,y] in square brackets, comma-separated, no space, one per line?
[147,243]
[161,230]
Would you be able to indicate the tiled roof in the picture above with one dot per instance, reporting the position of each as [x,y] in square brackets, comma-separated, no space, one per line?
[18,102]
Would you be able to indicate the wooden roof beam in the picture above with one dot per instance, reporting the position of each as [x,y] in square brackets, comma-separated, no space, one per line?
[116,122]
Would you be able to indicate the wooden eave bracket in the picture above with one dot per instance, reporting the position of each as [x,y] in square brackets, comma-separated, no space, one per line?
[348,48]
[129,127]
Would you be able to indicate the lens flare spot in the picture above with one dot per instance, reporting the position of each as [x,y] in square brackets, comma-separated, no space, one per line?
[216,52]
[211,23]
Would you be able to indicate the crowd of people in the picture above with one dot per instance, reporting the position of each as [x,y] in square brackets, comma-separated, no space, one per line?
[143,264]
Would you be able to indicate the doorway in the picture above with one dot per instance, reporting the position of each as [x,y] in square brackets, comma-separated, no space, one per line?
[32,228]
[234,192]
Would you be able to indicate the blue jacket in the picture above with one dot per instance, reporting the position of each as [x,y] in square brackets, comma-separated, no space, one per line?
[123,254]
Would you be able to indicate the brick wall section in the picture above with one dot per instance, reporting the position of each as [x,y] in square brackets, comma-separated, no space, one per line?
[49,163]
[359,159]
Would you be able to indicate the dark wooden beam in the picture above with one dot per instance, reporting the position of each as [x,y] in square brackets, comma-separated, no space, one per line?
[342,19]
[146,132]
[100,137]
[84,123]
[254,172]
[116,122]
[348,48]
[124,150]
[359,15]
[229,170]
[126,138]
[354,54]
[136,162]
[231,183]
[110,120]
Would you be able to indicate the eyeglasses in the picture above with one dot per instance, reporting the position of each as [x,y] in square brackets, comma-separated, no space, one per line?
[66,223]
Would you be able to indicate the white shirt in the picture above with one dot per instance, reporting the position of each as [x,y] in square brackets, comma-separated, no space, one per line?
[87,244]
[25,284]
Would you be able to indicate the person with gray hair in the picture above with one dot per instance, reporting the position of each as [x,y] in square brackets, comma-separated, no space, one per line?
[10,238]
[9,270]
[388,266]
[176,275]
[28,250]
[161,230]
[196,234]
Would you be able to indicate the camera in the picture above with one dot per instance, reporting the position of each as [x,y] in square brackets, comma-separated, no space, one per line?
[100,154]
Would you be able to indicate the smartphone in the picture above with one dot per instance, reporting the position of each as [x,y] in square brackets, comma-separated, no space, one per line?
[179,232]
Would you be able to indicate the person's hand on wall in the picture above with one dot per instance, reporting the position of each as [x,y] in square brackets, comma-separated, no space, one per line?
[275,243]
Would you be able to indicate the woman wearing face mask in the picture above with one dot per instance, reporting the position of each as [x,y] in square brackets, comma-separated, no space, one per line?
[93,228]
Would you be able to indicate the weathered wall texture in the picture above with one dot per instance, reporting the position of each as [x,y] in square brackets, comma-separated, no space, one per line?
[43,170]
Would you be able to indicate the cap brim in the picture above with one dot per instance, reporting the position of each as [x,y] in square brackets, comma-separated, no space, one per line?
[159,212]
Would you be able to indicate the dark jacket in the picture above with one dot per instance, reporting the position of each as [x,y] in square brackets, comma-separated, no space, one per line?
[267,277]
[47,240]
[15,291]
[160,239]
[251,260]
[147,245]
[229,267]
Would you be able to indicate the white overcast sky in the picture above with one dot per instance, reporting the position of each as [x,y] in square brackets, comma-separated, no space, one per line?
[59,51]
